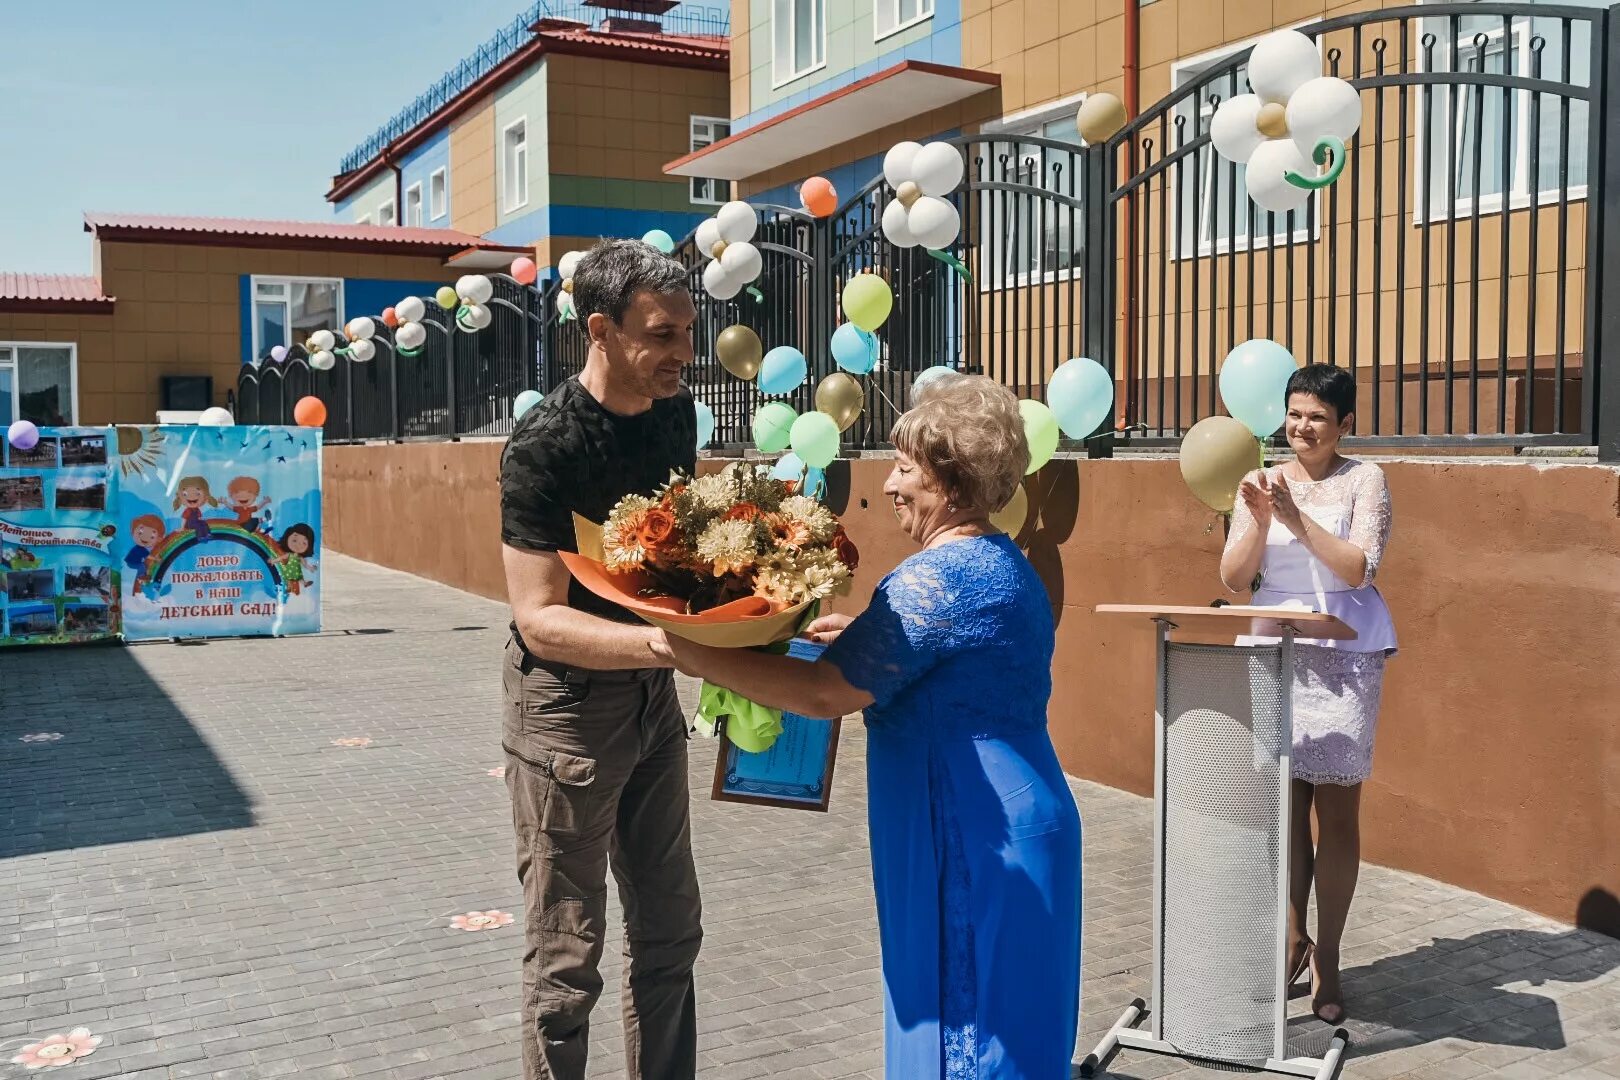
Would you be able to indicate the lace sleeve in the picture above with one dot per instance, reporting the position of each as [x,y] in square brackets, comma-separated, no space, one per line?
[904,632]
[1370,519]
[1242,517]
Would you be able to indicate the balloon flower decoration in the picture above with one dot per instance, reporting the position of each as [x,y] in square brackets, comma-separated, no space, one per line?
[411,335]
[1295,115]
[471,303]
[360,332]
[919,214]
[565,299]
[727,240]
[319,346]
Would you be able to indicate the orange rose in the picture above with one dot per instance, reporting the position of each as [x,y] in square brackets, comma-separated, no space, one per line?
[656,528]
[845,548]
[742,512]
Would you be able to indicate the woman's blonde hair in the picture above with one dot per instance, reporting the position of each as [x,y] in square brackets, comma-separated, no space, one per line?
[967,433]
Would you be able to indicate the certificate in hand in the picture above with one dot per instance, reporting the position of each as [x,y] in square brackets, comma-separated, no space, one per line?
[795,772]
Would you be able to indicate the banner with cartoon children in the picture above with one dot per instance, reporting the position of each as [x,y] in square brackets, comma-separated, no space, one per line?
[57,578]
[219,531]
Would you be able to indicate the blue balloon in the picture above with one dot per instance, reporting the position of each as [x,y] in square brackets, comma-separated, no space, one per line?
[524,402]
[1254,384]
[788,467]
[659,239]
[783,371]
[815,483]
[1080,394]
[705,423]
[855,350]
[928,375]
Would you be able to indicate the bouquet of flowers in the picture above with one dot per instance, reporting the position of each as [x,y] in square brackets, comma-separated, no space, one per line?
[734,559]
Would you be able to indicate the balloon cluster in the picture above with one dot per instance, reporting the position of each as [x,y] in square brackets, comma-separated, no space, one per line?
[470,301]
[405,318]
[360,332]
[1296,115]
[727,241]
[565,296]
[921,177]
[1219,451]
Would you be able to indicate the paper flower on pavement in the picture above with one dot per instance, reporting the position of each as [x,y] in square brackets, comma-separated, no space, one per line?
[1295,115]
[481,920]
[498,772]
[354,742]
[58,1050]
[921,177]
[42,736]
[411,334]
[473,291]
[727,241]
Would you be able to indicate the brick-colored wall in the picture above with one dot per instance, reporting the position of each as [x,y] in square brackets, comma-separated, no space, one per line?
[472,169]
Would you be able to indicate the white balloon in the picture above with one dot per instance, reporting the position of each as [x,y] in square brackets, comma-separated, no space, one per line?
[1234,128]
[216,417]
[720,285]
[897,225]
[565,303]
[322,360]
[934,222]
[1267,185]
[742,262]
[736,222]
[322,340]
[410,335]
[1321,108]
[475,289]
[410,309]
[473,318]
[1281,63]
[362,329]
[708,235]
[362,351]
[937,168]
[568,264]
[898,163]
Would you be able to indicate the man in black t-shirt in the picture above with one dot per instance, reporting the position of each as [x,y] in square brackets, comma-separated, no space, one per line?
[594,736]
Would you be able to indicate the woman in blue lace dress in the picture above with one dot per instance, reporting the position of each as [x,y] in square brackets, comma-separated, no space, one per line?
[975,836]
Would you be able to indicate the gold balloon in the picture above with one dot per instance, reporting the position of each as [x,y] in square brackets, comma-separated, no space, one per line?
[740,351]
[840,397]
[1012,518]
[1216,454]
[1100,118]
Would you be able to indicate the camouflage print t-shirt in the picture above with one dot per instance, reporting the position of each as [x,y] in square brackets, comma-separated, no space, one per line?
[568,455]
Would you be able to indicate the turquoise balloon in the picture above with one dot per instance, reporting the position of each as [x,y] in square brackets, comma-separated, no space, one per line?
[855,350]
[1080,394]
[524,402]
[815,439]
[928,375]
[788,467]
[659,239]
[783,371]
[1254,384]
[705,423]
[773,426]
[815,483]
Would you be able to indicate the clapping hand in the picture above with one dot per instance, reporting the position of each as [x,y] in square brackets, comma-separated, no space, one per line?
[1283,506]
[1256,495]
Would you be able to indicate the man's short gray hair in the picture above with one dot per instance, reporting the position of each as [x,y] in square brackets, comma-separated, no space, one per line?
[612,272]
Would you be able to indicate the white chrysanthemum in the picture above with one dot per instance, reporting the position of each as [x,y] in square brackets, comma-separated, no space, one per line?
[714,493]
[817,517]
[727,545]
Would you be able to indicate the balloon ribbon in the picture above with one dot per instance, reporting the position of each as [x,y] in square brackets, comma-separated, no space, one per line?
[951,261]
[410,352]
[759,297]
[1328,149]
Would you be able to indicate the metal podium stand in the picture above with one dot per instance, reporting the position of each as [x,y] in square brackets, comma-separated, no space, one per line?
[1220,842]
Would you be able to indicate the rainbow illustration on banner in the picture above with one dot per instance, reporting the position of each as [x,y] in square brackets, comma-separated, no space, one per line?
[176,544]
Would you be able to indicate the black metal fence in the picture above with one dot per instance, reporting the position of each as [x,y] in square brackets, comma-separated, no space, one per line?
[1464,264]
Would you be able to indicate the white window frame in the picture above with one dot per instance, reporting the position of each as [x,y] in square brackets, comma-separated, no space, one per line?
[1463,206]
[521,153]
[438,193]
[1012,128]
[387,213]
[1181,72]
[693,123]
[363,219]
[11,363]
[882,29]
[285,281]
[419,210]
[818,52]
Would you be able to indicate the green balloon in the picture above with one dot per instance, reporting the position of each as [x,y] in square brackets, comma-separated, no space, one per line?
[773,426]
[815,439]
[867,301]
[1041,429]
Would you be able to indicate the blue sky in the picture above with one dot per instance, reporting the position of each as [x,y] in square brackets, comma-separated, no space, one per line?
[201,106]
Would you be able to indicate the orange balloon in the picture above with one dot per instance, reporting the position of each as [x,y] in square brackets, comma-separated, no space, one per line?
[818,196]
[310,412]
[389,318]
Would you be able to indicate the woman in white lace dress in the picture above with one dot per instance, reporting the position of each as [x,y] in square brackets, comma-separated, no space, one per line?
[1313,530]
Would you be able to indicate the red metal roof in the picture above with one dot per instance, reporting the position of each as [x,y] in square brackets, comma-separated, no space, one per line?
[299,235]
[628,43]
[52,293]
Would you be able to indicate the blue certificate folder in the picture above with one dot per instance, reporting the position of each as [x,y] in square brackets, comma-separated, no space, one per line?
[796,771]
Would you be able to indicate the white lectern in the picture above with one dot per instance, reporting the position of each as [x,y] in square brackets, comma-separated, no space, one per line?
[1220,842]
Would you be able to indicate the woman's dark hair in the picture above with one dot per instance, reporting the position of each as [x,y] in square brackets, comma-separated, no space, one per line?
[298,530]
[1333,386]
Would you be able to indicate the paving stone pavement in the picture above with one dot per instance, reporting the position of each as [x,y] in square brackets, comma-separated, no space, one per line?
[197,871]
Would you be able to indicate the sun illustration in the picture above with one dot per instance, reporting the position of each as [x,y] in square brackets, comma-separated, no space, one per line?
[140,449]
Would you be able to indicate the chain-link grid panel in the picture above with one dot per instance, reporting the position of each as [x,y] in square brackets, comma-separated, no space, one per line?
[1223,819]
